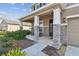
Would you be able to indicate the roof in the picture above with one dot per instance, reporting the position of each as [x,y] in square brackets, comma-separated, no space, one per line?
[0,20]
[17,22]
[12,22]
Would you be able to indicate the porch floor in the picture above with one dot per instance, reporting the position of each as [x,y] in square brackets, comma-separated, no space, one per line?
[43,39]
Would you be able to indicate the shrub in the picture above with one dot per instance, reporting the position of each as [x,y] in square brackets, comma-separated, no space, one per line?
[6,41]
[9,37]
[5,38]
[14,52]
[18,35]
[6,45]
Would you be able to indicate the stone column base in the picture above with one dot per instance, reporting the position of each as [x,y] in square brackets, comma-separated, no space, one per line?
[36,32]
[56,36]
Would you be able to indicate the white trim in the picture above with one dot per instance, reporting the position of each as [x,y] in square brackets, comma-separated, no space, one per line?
[65,24]
[42,26]
[72,16]
[72,6]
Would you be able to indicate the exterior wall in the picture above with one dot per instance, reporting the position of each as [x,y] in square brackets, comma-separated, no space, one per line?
[69,35]
[3,25]
[27,28]
[71,11]
[69,4]
[12,27]
[46,25]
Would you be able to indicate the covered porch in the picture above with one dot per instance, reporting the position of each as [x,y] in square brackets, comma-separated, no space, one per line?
[46,25]
[43,39]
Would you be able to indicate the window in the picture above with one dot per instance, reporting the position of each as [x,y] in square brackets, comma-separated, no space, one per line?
[40,4]
[32,8]
[37,6]
[44,4]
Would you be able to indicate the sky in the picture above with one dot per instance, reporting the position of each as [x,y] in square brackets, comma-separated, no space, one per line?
[14,11]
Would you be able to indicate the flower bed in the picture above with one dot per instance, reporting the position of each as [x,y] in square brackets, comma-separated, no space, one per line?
[9,39]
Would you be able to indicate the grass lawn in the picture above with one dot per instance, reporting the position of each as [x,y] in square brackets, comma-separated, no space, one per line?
[1,35]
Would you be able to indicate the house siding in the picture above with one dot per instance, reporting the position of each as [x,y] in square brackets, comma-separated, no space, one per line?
[71,11]
[70,30]
[12,27]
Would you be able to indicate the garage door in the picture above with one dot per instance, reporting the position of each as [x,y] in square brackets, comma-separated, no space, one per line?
[73,31]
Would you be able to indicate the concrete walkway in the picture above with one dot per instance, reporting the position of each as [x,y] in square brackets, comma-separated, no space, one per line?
[35,50]
[72,51]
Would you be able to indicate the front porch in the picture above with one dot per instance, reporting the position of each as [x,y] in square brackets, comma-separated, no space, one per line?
[43,39]
[46,26]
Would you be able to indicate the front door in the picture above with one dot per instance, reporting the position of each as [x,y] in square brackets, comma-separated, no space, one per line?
[51,27]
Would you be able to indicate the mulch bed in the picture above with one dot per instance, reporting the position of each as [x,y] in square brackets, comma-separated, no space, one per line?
[51,51]
[25,43]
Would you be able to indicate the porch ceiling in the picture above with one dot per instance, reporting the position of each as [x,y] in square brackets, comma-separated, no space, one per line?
[29,20]
[42,17]
[45,10]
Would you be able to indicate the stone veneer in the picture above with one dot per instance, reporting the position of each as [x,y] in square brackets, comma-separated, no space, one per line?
[56,35]
[36,32]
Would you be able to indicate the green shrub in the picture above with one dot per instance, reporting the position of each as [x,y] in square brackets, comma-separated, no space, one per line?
[6,45]
[14,52]
[18,35]
[6,41]
[5,38]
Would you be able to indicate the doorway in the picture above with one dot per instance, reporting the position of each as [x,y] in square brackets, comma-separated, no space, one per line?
[51,27]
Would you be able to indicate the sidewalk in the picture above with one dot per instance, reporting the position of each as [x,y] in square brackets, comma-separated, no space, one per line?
[35,50]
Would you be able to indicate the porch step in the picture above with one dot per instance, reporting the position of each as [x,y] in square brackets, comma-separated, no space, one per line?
[30,37]
[35,50]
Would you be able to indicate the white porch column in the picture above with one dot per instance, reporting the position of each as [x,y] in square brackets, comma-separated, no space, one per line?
[21,25]
[57,28]
[36,27]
